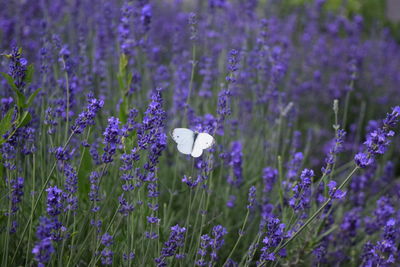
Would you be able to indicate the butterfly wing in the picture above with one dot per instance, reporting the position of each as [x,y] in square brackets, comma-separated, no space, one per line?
[185,139]
[203,141]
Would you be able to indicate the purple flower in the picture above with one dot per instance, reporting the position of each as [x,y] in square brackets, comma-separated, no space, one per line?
[151,235]
[294,165]
[302,191]
[62,154]
[94,187]
[235,161]
[55,201]
[251,197]
[336,148]
[107,256]
[112,138]
[43,251]
[363,160]
[274,236]
[151,219]
[107,239]
[192,183]
[335,193]
[71,186]
[174,242]
[87,117]
[146,17]
[269,178]
[18,68]
[217,241]
[17,186]
[385,251]
[231,201]
[211,245]
[378,140]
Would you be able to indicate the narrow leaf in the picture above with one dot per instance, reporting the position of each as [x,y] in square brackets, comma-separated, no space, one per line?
[29,74]
[5,123]
[25,119]
[20,97]
[32,97]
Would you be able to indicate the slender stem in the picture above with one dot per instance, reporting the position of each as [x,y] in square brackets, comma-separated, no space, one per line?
[309,220]
[68,96]
[7,231]
[37,202]
[107,229]
[240,237]
[191,80]
[32,201]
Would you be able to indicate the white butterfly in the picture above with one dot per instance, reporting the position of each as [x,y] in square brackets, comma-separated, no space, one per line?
[192,143]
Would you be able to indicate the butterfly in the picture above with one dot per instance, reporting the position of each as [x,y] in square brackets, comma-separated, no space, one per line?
[190,142]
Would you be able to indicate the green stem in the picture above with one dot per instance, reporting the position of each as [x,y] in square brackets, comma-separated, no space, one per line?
[37,202]
[32,201]
[240,237]
[191,80]
[309,220]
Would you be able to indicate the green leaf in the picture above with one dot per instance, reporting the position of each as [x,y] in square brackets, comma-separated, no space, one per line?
[5,123]
[32,97]
[10,80]
[1,168]
[29,74]
[84,171]
[6,55]
[25,119]
[20,96]
[123,62]
[120,82]
[123,110]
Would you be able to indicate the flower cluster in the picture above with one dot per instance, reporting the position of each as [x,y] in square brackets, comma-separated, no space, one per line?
[175,241]
[87,117]
[275,233]
[336,148]
[378,140]
[385,251]
[302,191]
[112,138]
[49,228]
[106,253]
[213,243]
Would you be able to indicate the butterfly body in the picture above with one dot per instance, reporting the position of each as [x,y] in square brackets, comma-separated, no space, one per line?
[190,142]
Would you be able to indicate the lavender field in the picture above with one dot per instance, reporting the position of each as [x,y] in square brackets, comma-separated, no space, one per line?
[301,102]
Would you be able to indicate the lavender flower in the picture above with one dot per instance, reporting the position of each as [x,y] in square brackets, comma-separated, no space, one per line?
[112,138]
[251,197]
[269,178]
[274,236]
[106,253]
[17,186]
[87,117]
[385,251]
[378,140]
[55,201]
[235,161]
[335,193]
[43,251]
[175,241]
[107,256]
[18,67]
[336,148]
[71,186]
[211,245]
[302,191]
[294,165]
[107,239]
